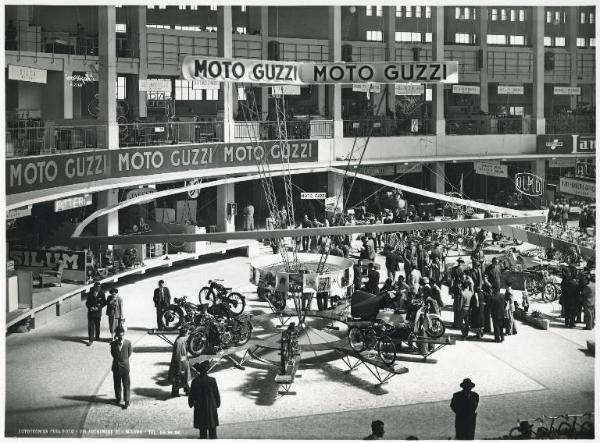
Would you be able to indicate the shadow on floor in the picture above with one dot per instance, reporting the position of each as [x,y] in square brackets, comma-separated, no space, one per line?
[147,349]
[90,399]
[345,377]
[261,388]
[155,393]
[67,338]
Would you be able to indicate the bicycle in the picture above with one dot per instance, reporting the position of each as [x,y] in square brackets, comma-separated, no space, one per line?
[215,292]
[553,432]
[576,429]
[373,337]
[518,433]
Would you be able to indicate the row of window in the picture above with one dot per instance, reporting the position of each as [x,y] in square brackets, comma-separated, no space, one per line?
[465,13]
[401,11]
[190,7]
[583,16]
[238,29]
[503,15]
[417,37]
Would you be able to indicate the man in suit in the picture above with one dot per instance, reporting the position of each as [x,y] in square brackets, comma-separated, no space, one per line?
[568,299]
[114,311]
[377,431]
[456,291]
[120,349]
[373,282]
[588,300]
[497,311]
[205,399]
[464,404]
[162,299]
[179,370]
[494,273]
[96,300]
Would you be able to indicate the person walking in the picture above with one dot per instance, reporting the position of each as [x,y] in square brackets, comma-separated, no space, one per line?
[588,299]
[509,297]
[464,404]
[179,369]
[377,431]
[486,289]
[114,311]
[391,262]
[497,312]
[162,299]
[465,306]
[120,350]
[248,217]
[205,399]
[568,298]
[476,314]
[373,281]
[95,301]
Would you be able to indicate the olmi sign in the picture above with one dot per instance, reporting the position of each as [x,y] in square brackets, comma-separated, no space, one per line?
[529,184]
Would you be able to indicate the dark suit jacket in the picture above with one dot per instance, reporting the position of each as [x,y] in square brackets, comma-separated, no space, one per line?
[570,292]
[204,397]
[166,298]
[120,362]
[464,404]
[497,305]
[94,303]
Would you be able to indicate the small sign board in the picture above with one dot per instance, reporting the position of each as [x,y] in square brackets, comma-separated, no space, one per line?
[491,169]
[78,201]
[25,74]
[366,87]
[204,84]
[511,90]
[286,90]
[18,212]
[411,168]
[529,184]
[155,84]
[408,89]
[312,196]
[466,89]
[563,162]
[567,90]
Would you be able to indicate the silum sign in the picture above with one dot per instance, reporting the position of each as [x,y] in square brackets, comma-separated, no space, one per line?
[529,184]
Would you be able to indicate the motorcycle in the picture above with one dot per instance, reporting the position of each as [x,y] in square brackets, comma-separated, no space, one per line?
[274,298]
[179,313]
[427,323]
[217,293]
[214,333]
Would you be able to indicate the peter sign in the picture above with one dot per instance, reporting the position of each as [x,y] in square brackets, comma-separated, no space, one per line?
[276,72]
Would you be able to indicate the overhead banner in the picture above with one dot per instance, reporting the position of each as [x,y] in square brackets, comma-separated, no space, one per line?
[366,87]
[312,196]
[466,89]
[205,84]
[577,187]
[25,74]
[586,144]
[18,213]
[409,89]
[305,73]
[555,144]
[511,90]
[286,90]
[155,84]
[414,168]
[565,162]
[491,169]
[78,201]
[567,90]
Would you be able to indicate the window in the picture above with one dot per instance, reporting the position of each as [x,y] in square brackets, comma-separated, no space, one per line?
[457,13]
[474,13]
[121,27]
[467,13]
[403,36]
[494,15]
[243,9]
[213,7]
[375,36]
[547,41]
[416,37]
[521,15]
[462,38]
[428,37]
[181,6]
[240,30]
[184,91]
[591,18]
[515,110]
[548,17]
[592,42]
[212,94]
[241,93]
[517,40]
[428,12]
[408,13]
[379,11]
[211,29]
[503,15]
[418,11]
[559,41]
[121,88]
[369,12]
[582,18]
[398,11]
[580,42]
[513,15]
[496,39]
[557,17]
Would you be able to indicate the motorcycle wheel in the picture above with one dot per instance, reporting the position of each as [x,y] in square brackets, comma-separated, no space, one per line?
[356,339]
[244,332]
[237,303]
[171,318]
[530,285]
[550,292]
[277,299]
[197,343]
[386,350]
[436,328]
[203,295]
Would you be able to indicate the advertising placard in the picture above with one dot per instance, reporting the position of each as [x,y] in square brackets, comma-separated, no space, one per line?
[155,84]
[286,90]
[25,74]
[34,259]
[298,73]
[577,187]
[78,201]
[312,195]
[137,192]
[529,184]
[554,144]
[586,169]
[409,89]
[205,84]
[466,89]
[511,90]
[565,162]
[411,168]
[18,213]
[567,90]
[586,144]
[366,87]
[491,169]
[378,171]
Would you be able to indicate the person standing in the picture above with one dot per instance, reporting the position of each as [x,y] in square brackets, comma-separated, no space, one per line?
[249,217]
[494,273]
[306,223]
[377,431]
[179,369]
[162,299]
[509,297]
[373,281]
[114,311]
[497,311]
[565,214]
[391,262]
[120,349]
[588,299]
[486,290]
[456,274]
[205,399]
[465,306]
[476,315]
[464,404]
[94,303]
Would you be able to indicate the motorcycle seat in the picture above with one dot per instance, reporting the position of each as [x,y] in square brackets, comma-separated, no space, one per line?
[227,289]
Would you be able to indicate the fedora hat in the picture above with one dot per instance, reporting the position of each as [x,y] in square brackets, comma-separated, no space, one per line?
[113,291]
[525,426]
[467,384]
[202,367]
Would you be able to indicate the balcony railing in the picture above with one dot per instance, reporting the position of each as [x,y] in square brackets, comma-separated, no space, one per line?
[486,124]
[388,128]
[27,140]
[571,124]
[296,129]
[167,133]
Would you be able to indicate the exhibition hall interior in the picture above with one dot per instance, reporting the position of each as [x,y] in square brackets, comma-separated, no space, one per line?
[316,222]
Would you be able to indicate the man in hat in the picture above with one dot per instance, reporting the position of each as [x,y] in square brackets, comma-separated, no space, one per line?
[373,282]
[114,311]
[205,399]
[94,303]
[525,429]
[497,312]
[455,290]
[464,404]
[494,273]
[377,431]
[162,299]
[120,349]
[179,369]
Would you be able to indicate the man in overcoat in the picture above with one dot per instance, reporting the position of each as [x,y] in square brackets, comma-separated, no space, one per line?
[114,311]
[120,350]
[205,399]
[464,404]
[179,369]
[497,311]
[569,297]
[162,299]
[95,302]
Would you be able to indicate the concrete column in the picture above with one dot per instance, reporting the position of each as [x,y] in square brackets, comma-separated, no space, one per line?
[572,25]
[335,55]
[389,18]
[538,167]
[335,187]
[538,21]
[483,72]
[67,95]
[107,82]
[264,41]
[136,33]
[438,177]
[225,195]
[437,18]
[108,224]
[321,99]
[225,49]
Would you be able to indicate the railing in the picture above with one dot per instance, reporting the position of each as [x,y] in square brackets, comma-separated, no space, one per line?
[571,124]
[388,128]
[23,141]
[163,133]
[296,129]
[486,124]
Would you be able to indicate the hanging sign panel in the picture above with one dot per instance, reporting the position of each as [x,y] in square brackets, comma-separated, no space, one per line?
[312,196]
[204,84]
[366,87]
[567,90]
[413,168]
[568,162]
[529,184]
[25,74]
[577,187]
[286,90]
[586,169]
[491,169]
[511,90]
[18,213]
[408,89]
[466,89]
[155,84]
[276,72]
[78,201]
